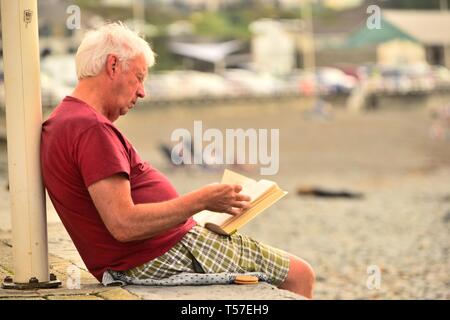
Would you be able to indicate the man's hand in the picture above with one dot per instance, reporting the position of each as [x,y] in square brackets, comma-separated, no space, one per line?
[226,198]
[127,221]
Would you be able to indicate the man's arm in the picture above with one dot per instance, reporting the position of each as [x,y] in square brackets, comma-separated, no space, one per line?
[127,221]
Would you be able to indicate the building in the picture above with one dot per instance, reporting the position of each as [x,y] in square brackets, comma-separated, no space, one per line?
[275,45]
[400,52]
[427,29]
[210,56]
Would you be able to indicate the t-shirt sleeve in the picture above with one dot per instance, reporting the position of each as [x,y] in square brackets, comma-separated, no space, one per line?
[99,154]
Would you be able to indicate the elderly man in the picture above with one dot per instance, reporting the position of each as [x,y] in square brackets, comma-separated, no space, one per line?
[121,213]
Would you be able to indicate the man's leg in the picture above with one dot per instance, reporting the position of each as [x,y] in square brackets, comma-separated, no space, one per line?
[300,278]
[239,253]
[236,254]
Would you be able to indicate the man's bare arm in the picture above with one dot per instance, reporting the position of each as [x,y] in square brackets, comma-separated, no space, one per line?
[127,221]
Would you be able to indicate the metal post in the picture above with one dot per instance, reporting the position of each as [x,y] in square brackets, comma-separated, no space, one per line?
[445,46]
[138,15]
[309,58]
[23,124]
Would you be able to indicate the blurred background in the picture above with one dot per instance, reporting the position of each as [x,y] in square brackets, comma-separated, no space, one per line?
[360,91]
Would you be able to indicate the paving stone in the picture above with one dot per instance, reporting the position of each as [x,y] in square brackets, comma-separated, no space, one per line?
[261,291]
[118,294]
[22,298]
[74,297]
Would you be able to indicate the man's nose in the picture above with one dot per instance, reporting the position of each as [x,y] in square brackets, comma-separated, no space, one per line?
[141,91]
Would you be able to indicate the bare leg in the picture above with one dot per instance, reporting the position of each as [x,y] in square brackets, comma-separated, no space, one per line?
[300,278]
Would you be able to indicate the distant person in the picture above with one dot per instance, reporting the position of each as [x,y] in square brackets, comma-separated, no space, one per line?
[440,128]
[121,213]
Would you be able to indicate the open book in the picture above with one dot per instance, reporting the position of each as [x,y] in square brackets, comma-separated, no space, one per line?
[263,194]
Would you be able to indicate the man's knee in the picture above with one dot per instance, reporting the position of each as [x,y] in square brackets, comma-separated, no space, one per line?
[300,275]
[310,274]
[300,278]
[303,270]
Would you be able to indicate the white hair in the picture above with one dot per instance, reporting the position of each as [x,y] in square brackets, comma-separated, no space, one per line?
[112,38]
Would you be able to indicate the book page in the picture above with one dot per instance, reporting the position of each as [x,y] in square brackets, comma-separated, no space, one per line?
[266,202]
[256,190]
[252,188]
[230,177]
[212,217]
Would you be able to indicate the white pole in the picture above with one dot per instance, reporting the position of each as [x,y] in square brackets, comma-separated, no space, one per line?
[445,46]
[308,45]
[138,14]
[309,58]
[23,124]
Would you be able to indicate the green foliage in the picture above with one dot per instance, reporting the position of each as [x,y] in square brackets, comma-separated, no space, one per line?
[231,22]
[413,4]
[165,60]
[234,22]
[221,25]
[108,13]
[161,16]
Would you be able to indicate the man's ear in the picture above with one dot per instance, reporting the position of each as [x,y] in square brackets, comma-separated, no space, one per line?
[111,64]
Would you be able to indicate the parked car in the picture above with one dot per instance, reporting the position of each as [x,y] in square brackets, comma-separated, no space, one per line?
[61,68]
[302,82]
[441,76]
[58,78]
[332,80]
[407,78]
[246,82]
[186,84]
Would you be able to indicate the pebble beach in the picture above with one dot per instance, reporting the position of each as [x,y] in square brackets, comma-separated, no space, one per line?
[400,227]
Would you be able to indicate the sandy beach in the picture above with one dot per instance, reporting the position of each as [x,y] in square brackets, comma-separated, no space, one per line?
[401,225]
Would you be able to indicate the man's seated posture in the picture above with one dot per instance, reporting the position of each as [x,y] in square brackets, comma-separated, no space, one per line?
[121,213]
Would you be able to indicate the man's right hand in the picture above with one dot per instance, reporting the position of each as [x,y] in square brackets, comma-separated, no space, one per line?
[127,221]
[220,197]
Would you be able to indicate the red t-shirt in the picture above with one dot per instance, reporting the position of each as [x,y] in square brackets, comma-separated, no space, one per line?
[80,146]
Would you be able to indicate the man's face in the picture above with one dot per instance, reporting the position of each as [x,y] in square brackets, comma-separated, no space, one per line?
[129,85]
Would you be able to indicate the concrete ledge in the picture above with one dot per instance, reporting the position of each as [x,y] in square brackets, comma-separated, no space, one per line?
[91,289]
[260,291]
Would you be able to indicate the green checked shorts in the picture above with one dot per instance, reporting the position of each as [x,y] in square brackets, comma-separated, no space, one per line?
[203,251]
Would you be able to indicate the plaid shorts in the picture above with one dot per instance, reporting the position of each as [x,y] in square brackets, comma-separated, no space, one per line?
[203,251]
